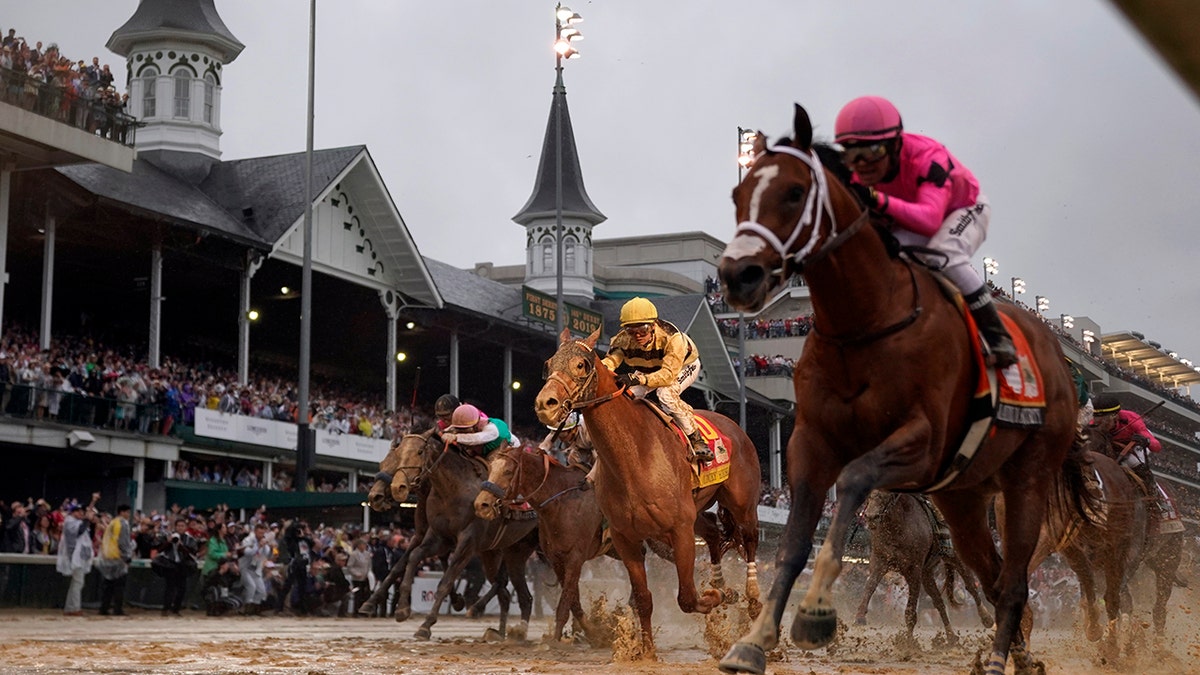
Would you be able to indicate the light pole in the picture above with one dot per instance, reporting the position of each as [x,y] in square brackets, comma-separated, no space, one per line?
[1042,304]
[565,33]
[1018,286]
[990,267]
[746,139]
[1068,321]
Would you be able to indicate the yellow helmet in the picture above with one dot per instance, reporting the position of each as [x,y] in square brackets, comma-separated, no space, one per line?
[638,310]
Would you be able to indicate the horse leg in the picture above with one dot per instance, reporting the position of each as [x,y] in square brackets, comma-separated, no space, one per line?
[1165,563]
[708,529]
[683,542]
[515,561]
[972,587]
[931,588]
[634,560]
[431,546]
[749,654]
[458,560]
[1078,561]
[874,575]
[913,579]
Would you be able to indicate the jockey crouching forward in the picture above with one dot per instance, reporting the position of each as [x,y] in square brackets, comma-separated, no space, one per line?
[652,354]
[478,434]
[1125,427]
[931,199]
[570,444]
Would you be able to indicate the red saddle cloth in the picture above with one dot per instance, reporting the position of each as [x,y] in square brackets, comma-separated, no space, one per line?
[718,469]
[1022,397]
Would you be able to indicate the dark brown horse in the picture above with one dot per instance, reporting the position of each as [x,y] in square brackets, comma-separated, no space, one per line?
[570,525]
[904,540]
[644,483]
[882,392]
[504,545]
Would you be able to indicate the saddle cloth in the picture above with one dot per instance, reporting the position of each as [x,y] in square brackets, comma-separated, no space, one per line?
[1170,520]
[1021,401]
[716,471]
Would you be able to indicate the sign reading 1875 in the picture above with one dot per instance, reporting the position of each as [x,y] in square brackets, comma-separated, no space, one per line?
[541,307]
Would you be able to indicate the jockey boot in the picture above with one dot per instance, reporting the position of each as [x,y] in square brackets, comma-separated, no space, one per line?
[1000,344]
[1144,474]
[700,449]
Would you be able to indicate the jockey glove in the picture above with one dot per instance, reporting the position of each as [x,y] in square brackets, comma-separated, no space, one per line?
[867,196]
[630,379]
[1141,440]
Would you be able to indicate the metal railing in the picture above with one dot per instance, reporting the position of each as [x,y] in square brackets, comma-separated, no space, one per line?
[25,401]
[52,100]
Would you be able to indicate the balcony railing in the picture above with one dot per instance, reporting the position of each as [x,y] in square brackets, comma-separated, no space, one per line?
[77,409]
[50,99]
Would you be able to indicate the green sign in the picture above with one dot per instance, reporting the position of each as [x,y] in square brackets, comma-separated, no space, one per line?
[538,306]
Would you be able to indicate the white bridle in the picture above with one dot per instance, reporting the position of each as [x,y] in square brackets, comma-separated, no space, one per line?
[750,234]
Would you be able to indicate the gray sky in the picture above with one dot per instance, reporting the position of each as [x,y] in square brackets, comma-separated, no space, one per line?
[1085,142]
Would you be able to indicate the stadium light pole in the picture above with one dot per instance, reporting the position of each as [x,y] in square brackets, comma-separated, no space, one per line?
[1018,286]
[565,33]
[304,436]
[1068,321]
[1042,304]
[746,139]
[990,267]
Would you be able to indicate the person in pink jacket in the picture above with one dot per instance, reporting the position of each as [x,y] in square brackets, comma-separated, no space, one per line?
[932,199]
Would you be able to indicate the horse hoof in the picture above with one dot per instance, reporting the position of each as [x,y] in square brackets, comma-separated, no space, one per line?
[457,604]
[815,629]
[473,613]
[860,621]
[754,608]
[366,609]
[1093,631]
[744,657]
[423,633]
[403,614]
[987,620]
[493,635]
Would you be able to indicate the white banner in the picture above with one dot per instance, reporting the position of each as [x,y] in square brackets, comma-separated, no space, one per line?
[276,434]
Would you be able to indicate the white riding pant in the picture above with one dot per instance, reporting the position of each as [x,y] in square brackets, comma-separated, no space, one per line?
[960,236]
[1135,457]
[668,396]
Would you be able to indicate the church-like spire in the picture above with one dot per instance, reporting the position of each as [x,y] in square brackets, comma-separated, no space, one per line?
[174,20]
[575,201]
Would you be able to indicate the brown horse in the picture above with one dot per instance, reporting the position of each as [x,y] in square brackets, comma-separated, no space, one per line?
[1111,541]
[504,545]
[904,540]
[882,392]
[644,483]
[570,525]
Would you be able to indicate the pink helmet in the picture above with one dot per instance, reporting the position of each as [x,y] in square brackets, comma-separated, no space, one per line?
[867,118]
[466,416]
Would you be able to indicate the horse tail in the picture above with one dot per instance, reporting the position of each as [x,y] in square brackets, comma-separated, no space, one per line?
[948,587]
[1072,498]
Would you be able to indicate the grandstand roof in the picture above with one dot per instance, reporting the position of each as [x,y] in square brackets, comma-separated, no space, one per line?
[1131,350]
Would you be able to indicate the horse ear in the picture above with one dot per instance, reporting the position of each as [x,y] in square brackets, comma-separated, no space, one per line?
[564,337]
[802,129]
[593,338]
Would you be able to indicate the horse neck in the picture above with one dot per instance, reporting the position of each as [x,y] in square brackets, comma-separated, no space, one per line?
[858,286]
[454,478]
[614,425]
[539,481]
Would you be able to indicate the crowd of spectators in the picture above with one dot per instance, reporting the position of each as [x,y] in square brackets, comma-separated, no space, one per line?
[764,329]
[761,365]
[249,567]
[42,80]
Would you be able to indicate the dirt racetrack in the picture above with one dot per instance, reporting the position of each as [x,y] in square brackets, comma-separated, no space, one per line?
[44,641]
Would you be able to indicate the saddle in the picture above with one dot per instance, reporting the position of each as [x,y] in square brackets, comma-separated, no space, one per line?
[703,474]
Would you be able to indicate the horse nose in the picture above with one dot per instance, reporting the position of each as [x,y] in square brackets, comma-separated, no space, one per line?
[484,506]
[740,276]
[375,500]
[399,491]
[545,402]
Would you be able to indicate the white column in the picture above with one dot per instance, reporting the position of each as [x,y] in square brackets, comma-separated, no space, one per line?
[454,363]
[268,475]
[139,478]
[169,472]
[508,385]
[47,279]
[6,170]
[155,302]
[776,452]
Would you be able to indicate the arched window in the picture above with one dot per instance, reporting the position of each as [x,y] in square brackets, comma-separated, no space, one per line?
[547,255]
[210,86]
[183,92]
[149,77]
[569,255]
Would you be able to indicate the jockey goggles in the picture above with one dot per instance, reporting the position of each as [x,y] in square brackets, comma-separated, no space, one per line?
[639,328]
[869,152]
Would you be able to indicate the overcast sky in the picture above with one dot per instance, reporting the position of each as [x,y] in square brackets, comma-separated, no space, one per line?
[1085,142]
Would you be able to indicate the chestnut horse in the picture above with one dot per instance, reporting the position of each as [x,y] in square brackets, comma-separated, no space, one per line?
[882,391]
[504,546]
[904,540]
[644,481]
[570,525]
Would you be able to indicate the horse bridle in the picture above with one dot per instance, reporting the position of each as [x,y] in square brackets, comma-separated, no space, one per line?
[422,469]
[578,386]
[816,204]
[502,495]
[798,260]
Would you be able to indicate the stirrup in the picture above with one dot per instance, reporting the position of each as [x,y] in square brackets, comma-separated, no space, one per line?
[703,455]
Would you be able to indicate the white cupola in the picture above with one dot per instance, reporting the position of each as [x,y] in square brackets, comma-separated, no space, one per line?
[174,52]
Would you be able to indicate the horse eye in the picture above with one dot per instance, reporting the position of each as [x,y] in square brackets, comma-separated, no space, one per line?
[795,194]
